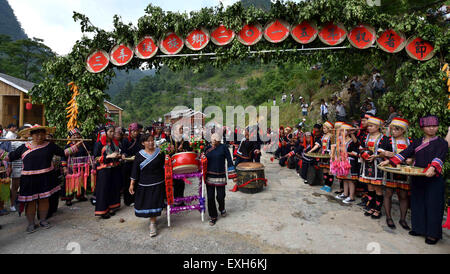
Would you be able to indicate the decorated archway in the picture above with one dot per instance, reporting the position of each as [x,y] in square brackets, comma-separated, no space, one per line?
[331,30]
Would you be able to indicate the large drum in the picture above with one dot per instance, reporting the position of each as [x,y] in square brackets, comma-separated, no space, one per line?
[249,171]
[185,162]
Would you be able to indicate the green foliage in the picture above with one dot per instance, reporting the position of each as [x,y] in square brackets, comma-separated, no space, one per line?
[23,58]
[420,77]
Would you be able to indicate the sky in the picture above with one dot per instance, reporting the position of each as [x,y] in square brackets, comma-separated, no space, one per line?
[52,21]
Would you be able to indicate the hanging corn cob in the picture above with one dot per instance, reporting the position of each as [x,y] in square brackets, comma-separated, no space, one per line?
[72,109]
[446,70]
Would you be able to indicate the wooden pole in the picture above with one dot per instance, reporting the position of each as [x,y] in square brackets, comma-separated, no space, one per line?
[43,115]
[21,109]
[120,118]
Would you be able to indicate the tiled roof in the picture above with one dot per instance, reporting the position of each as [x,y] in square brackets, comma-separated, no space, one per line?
[17,83]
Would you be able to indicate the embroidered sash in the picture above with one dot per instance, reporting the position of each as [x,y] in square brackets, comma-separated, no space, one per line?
[31,149]
[424,145]
[148,158]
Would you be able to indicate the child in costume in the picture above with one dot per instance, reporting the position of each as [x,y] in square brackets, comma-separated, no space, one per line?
[325,146]
[351,158]
[370,173]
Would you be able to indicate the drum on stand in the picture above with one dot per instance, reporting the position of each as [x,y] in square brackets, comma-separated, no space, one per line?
[185,162]
[249,171]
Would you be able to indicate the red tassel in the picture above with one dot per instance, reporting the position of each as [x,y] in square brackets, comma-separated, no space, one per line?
[86,175]
[447,223]
[80,180]
[235,188]
[169,180]
[72,182]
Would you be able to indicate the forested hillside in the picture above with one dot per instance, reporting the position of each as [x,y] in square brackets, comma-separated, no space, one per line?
[20,56]
[9,25]
[123,77]
[240,84]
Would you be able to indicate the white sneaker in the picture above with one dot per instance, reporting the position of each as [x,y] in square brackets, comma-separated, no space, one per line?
[348,200]
[153,229]
[341,196]
[13,209]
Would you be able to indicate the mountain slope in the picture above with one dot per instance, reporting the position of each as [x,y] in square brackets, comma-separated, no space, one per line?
[9,25]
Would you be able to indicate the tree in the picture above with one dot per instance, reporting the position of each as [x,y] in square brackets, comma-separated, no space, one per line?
[24,58]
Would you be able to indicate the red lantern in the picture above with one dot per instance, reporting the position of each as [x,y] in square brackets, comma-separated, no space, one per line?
[28,106]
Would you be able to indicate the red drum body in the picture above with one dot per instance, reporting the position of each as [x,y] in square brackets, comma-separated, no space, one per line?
[185,162]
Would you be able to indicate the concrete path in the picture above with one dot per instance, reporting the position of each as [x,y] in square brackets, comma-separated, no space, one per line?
[287,217]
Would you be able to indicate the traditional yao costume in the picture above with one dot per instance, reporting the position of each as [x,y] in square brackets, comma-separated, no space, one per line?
[325,145]
[82,152]
[398,181]
[37,179]
[245,151]
[427,194]
[350,146]
[109,177]
[148,173]
[370,173]
[216,179]
[130,148]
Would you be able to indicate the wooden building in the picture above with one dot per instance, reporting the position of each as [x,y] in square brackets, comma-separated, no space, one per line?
[189,114]
[14,97]
[112,109]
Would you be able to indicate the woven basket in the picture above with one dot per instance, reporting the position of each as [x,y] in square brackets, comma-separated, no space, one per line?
[415,171]
[318,155]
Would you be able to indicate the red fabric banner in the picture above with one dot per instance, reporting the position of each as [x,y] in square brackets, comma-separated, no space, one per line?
[276,31]
[97,61]
[304,33]
[121,55]
[332,34]
[391,41]
[362,36]
[222,36]
[171,44]
[146,48]
[250,34]
[419,49]
[197,39]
